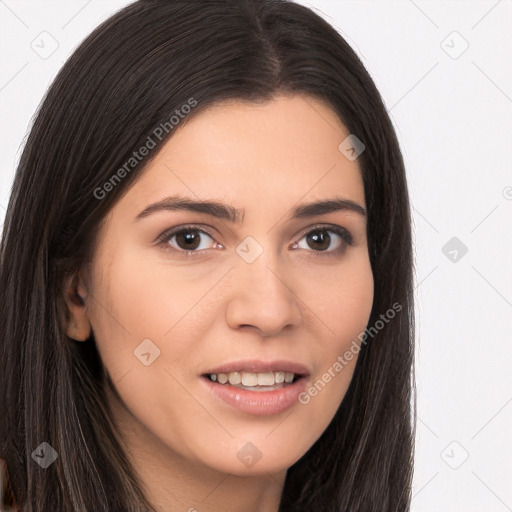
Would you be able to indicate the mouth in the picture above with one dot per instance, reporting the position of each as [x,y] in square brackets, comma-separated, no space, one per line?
[254,381]
[255,387]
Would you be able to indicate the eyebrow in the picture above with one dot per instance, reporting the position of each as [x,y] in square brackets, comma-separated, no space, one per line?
[234,215]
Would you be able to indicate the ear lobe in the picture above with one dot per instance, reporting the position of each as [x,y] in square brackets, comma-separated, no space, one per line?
[76,324]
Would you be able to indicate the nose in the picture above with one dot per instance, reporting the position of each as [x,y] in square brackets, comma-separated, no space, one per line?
[263,298]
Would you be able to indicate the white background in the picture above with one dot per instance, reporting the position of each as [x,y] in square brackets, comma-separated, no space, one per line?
[453,114]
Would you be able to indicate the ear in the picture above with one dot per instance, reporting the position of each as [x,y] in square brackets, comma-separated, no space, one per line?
[76,324]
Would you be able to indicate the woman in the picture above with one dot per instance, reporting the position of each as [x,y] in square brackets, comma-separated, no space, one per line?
[206,273]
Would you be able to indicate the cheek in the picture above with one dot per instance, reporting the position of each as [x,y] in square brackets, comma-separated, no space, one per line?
[355,302]
[345,305]
[141,300]
[146,298]
[344,301]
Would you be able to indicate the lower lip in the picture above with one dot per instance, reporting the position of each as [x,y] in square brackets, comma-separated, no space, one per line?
[258,402]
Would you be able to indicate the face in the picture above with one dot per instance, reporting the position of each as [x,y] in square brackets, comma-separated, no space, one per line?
[262,289]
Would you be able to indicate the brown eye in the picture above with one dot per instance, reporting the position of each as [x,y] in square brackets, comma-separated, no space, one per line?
[319,240]
[187,240]
[331,240]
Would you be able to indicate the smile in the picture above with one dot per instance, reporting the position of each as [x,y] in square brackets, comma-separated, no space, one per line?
[255,387]
[255,381]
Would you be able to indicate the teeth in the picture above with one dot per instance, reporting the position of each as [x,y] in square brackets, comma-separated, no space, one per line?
[266,379]
[288,377]
[249,379]
[235,378]
[252,379]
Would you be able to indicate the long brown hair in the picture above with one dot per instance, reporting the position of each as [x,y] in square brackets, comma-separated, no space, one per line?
[126,79]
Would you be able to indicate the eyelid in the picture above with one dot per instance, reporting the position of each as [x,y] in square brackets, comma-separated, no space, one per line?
[168,234]
[339,230]
[202,228]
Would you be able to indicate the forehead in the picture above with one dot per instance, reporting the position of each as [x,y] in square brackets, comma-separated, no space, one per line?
[253,155]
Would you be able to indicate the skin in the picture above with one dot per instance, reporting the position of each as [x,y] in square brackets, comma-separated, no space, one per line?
[298,304]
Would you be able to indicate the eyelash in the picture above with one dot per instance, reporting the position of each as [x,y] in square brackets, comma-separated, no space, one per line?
[346,239]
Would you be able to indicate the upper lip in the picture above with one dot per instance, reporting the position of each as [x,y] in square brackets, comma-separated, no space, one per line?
[258,366]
